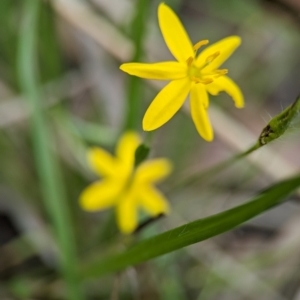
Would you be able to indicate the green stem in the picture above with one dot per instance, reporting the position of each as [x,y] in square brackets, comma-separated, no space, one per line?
[207,174]
[50,177]
[134,83]
[275,129]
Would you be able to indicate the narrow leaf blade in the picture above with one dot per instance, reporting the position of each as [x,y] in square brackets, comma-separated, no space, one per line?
[193,232]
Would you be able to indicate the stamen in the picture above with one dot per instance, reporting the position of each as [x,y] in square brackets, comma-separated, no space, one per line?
[210,58]
[189,61]
[207,80]
[221,72]
[203,81]
[200,44]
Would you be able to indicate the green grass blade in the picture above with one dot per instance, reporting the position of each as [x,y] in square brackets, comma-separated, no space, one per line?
[135,90]
[193,232]
[49,174]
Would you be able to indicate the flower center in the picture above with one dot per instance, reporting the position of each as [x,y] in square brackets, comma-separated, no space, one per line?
[197,74]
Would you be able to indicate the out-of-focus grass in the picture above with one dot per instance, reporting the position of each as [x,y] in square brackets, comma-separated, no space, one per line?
[135,89]
[51,183]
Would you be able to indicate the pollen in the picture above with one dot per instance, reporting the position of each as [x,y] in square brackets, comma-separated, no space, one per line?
[221,72]
[200,44]
[203,81]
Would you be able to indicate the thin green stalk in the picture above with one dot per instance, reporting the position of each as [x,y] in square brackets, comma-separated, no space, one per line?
[50,177]
[210,172]
[276,128]
[134,92]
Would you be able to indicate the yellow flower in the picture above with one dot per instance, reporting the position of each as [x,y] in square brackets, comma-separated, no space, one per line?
[124,186]
[198,75]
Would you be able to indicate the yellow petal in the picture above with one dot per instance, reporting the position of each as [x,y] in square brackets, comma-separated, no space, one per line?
[199,98]
[152,201]
[99,195]
[102,162]
[152,171]
[127,218]
[226,84]
[125,153]
[166,104]
[163,70]
[174,34]
[225,46]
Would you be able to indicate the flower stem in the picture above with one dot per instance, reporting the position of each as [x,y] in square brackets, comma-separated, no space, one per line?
[207,174]
[277,126]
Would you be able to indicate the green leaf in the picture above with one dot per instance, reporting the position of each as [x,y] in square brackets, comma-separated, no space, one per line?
[192,232]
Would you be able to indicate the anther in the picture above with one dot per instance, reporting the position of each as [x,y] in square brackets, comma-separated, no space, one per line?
[210,58]
[221,72]
[207,80]
[203,81]
[200,44]
[189,61]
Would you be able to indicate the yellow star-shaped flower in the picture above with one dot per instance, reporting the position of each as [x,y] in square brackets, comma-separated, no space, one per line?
[198,75]
[124,186]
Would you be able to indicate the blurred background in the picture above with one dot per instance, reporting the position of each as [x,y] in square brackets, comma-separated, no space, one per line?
[80,45]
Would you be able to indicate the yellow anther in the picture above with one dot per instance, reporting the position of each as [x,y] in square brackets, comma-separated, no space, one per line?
[210,58]
[203,81]
[189,61]
[221,72]
[200,44]
[207,81]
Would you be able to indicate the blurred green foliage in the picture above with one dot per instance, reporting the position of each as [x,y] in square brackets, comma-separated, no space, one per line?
[83,96]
